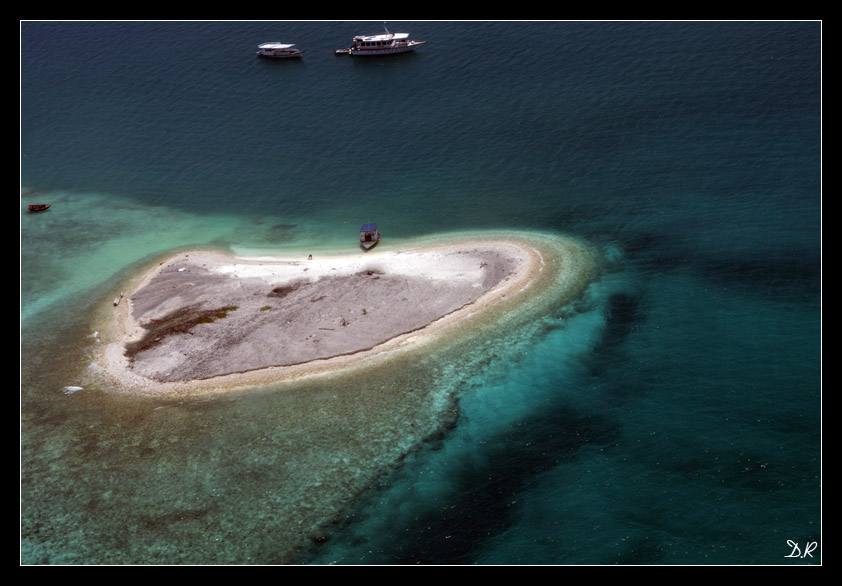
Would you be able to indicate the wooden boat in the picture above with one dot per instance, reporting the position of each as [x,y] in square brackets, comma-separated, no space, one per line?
[369,236]
[39,207]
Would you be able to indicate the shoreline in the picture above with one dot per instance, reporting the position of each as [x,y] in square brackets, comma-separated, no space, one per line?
[438,265]
[329,427]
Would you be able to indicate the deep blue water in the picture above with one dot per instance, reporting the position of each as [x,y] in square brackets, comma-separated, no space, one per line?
[670,416]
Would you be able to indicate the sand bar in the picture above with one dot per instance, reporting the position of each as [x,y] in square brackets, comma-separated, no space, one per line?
[203,321]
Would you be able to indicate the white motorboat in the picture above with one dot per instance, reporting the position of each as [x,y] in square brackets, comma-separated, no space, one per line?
[278,50]
[385,43]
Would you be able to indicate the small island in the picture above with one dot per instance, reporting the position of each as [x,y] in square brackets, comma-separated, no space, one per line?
[206,321]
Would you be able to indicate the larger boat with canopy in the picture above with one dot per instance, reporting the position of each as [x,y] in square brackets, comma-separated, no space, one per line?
[385,43]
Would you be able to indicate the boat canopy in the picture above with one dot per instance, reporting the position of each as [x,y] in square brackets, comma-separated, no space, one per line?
[382,37]
[275,46]
[369,228]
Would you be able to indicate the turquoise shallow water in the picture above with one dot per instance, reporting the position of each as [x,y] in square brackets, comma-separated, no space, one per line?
[671,415]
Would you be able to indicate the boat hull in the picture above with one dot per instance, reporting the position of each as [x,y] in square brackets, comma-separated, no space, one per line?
[280,56]
[377,52]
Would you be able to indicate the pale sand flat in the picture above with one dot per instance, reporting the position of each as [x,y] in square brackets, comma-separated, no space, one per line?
[204,321]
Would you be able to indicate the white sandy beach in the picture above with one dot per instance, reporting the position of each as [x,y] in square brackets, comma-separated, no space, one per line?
[204,321]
